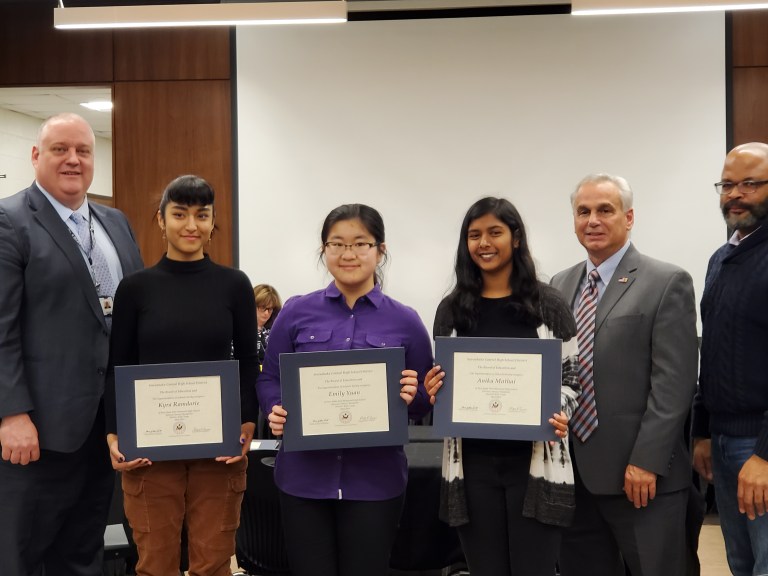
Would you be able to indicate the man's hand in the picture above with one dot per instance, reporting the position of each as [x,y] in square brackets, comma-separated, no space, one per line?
[639,486]
[702,457]
[18,435]
[753,487]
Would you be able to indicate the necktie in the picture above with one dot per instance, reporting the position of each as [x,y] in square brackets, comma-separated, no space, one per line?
[584,420]
[102,278]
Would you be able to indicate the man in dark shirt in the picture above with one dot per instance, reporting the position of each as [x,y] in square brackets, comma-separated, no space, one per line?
[730,424]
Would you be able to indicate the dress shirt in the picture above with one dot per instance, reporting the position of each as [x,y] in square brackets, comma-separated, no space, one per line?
[322,321]
[605,270]
[100,235]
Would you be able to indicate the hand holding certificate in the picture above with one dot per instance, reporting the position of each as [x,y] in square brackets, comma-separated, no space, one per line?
[343,399]
[499,388]
[179,411]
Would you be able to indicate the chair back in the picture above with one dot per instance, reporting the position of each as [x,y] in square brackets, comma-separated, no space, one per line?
[260,544]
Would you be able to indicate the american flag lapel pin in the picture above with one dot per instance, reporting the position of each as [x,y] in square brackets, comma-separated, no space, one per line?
[623,280]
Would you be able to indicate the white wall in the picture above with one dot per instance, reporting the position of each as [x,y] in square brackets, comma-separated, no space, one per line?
[17,136]
[421,118]
[18,133]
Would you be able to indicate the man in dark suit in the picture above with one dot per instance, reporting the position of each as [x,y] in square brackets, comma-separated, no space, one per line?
[632,465]
[57,274]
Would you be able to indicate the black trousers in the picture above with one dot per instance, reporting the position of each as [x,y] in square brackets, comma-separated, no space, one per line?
[608,531]
[339,537]
[53,512]
[499,541]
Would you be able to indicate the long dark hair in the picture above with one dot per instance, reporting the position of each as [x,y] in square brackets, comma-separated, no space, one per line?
[465,297]
[371,220]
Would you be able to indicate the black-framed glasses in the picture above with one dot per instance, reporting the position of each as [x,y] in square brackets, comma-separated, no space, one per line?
[746,187]
[359,248]
[265,309]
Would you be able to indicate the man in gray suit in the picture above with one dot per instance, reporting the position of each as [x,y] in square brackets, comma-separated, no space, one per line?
[632,467]
[56,277]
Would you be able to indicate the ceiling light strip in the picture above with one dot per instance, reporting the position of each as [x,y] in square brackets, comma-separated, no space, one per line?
[614,7]
[231,14]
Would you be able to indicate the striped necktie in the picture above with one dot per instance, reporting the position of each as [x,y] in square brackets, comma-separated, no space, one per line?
[102,278]
[584,420]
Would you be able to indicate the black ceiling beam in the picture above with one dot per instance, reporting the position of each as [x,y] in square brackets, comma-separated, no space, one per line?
[465,12]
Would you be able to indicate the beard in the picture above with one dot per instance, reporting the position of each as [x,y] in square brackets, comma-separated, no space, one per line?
[756,213]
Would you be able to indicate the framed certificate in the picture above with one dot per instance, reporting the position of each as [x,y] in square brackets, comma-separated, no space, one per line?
[343,399]
[178,411]
[498,388]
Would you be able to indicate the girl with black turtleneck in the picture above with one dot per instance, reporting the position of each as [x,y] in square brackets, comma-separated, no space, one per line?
[186,308]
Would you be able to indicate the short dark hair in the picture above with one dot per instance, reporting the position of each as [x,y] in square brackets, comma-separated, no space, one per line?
[466,294]
[370,219]
[188,190]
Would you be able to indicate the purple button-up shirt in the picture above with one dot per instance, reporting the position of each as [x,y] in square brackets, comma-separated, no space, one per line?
[322,321]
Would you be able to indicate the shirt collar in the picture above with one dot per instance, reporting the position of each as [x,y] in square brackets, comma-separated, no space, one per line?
[609,265]
[734,240]
[63,211]
[375,296]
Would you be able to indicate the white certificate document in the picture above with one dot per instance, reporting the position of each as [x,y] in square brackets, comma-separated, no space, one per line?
[344,399]
[496,388]
[178,411]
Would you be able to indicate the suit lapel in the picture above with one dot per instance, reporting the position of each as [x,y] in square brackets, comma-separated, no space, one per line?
[571,283]
[622,279]
[114,231]
[50,221]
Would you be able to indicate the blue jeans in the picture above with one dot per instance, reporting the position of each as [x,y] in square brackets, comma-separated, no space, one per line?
[746,541]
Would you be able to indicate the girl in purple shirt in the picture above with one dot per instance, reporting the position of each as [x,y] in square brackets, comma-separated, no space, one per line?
[341,507]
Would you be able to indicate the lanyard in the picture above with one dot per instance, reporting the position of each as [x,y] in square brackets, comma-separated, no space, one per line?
[88,253]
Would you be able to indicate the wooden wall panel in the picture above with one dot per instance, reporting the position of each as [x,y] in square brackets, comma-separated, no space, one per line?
[750,38]
[34,53]
[172,54]
[750,104]
[163,130]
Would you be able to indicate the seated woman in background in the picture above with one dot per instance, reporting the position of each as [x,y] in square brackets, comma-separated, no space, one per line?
[186,308]
[515,495]
[268,305]
[341,507]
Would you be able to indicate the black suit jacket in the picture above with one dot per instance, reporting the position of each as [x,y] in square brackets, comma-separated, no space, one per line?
[54,343]
[645,370]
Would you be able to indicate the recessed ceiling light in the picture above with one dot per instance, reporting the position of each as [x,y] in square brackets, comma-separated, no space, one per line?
[98,105]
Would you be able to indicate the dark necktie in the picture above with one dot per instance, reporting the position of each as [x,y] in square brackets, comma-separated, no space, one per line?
[584,420]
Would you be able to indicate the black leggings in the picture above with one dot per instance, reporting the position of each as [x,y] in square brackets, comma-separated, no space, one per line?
[499,541]
[339,537]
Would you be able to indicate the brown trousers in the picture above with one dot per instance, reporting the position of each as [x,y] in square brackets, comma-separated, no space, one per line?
[204,494]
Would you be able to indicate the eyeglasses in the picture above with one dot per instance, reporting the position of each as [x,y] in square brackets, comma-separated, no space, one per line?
[338,248]
[265,309]
[745,186]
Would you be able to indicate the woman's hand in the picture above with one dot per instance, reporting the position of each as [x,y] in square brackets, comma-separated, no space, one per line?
[118,460]
[409,385]
[560,424]
[247,429]
[276,419]
[433,381]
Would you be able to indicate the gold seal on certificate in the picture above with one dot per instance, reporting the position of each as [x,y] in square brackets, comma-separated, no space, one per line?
[497,388]
[178,411]
[344,399]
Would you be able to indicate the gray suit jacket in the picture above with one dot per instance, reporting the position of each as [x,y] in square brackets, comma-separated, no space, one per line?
[645,370]
[54,343]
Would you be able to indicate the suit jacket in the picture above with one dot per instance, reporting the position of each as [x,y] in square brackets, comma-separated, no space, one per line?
[54,342]
[645,369]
